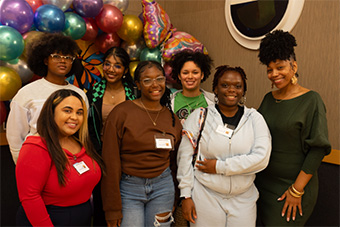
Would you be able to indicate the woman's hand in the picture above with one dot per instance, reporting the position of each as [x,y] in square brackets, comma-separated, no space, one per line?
[207,166]
[114,223]
[291,205]
[189,210]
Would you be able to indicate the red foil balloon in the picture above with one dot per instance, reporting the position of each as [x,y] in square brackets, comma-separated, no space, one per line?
[105,41]
[109,19]
[91,29]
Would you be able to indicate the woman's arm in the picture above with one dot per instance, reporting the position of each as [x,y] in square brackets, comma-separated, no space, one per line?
[292,202]
[112,204]
[32,171]
[17,128]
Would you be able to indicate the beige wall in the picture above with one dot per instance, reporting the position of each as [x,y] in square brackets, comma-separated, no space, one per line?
[318,50]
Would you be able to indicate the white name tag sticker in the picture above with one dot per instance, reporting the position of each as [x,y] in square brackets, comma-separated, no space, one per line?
[163,143]
[224,131]
[81,167]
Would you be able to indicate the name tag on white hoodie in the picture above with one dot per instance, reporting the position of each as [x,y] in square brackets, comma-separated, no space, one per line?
[224,131]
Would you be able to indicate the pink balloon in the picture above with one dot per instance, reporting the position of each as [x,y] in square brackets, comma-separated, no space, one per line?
[35,4]
[110,19]
[91,29]
[105,41]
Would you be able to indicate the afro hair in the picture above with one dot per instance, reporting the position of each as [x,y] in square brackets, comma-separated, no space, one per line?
[50,43]
[277,45]
[204,62]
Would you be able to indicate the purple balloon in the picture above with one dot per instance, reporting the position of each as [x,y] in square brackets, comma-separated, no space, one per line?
[17,14]
[88,8]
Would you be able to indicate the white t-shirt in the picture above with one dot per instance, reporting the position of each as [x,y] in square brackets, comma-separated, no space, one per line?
[25,110]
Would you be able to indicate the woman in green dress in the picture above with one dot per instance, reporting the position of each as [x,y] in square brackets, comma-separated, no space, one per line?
[296,117]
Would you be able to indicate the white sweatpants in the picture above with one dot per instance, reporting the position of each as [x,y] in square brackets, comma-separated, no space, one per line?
[214,209]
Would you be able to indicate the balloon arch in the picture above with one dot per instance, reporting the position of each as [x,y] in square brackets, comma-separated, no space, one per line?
[96,25]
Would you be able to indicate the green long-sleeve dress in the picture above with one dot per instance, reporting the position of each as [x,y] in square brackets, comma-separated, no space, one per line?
[299,142]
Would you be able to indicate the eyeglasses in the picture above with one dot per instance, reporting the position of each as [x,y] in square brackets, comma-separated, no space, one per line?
[58,58]
[159,80]
[108,65]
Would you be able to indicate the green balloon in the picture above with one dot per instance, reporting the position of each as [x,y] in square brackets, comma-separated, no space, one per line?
[11,43]
[151,55]
[75,26]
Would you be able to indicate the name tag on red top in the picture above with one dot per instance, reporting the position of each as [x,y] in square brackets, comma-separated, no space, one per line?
[81,167]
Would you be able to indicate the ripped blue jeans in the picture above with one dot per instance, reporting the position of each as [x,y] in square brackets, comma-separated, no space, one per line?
[144,198]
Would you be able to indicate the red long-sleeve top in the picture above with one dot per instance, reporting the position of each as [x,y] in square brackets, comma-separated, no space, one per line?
[37,181]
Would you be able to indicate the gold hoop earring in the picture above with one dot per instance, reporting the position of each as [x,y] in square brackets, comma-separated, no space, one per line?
[243,100]
[216,99]
[294,80]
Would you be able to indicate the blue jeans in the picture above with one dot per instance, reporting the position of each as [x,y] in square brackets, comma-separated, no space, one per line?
[144,198]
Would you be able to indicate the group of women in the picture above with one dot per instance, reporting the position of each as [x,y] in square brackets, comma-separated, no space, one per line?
[154,152]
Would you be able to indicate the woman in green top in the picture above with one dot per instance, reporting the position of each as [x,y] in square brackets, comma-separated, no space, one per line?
[296,117]
[190,69]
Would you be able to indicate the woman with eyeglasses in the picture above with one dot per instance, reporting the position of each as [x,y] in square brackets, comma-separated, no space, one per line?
[115,87]
[140,144]
[50,57]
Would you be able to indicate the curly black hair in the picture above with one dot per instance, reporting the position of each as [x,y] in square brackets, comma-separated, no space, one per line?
[204,62]
[277,45]
[49,43]
[220,70]
[165,99]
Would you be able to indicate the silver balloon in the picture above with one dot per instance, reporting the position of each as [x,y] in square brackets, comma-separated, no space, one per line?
[134,49]
[61,4]
[20,67]
[122,5]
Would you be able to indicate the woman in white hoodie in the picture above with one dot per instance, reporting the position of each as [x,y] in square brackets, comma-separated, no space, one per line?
[235,143]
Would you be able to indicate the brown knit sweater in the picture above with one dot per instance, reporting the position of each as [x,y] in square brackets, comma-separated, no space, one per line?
[129,147]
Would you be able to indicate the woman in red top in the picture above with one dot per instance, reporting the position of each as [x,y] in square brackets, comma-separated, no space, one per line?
[57,168]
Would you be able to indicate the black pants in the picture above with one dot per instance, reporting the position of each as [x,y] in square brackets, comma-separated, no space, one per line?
[79,215]
[98,213]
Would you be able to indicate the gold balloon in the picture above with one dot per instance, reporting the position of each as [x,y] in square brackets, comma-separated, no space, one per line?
[132,67]
[131,29]
[10,83]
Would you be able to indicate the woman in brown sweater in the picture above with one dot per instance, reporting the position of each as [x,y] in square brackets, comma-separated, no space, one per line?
[140,144]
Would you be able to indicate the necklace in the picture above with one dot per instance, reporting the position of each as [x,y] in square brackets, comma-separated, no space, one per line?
[290,94]
[112,96]
[153,121]
[195,106]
